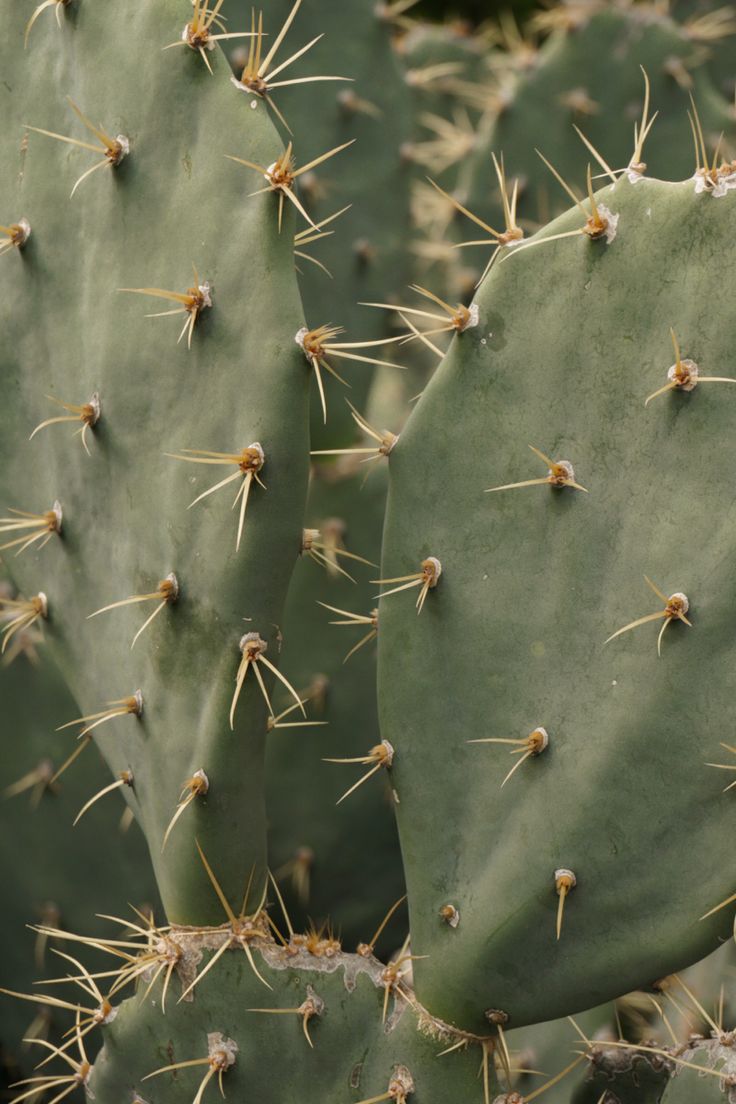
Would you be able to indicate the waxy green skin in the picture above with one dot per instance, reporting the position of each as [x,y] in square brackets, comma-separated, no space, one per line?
[357,872]
[368,254]
[603,57]
[352,1058]
[572,338]
[628,1076]
[68,331]
[45,860]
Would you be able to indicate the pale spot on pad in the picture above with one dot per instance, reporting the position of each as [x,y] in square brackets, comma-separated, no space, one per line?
[538,649]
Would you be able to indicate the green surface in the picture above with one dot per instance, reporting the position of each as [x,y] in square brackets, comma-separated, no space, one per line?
[67,331]
[573,336]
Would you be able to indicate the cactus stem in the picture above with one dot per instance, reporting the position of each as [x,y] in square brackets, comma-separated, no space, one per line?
[115,150]
[565,881]
[27,612]
[382,755]
[684,375]
[560,474]
[427,579]
[676,607]
[88,414]
[366,949]
[194,787]
[45,525]
[531,746]
[125,779]
[14,236]
[312,1006]
[253,647]
[56,4]
[220,1057]
[282,174]
[249,461]
[193,302]
[166,593]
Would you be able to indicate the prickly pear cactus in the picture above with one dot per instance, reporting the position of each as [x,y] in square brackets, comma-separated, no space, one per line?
[231,396]
[318,1025]
[710,1074]
[531,638]
[588,74]
[365,250]
[56,872]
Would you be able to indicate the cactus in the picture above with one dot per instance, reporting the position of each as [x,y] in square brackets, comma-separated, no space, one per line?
[54,873]
[119,533]
[365,249]
[185,631]
[523,642]
[588,74]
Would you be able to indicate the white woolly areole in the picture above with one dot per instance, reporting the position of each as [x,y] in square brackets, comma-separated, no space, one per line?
[542,738]
[186,36]
[221,1049]
[26,229]
[634,176]
[124,144]
[205,290]
[473,316]
[683,599]
[437,566]
[203,779]
[389,748]
[257,447]
[692,371]
[563,872]
[299,337]
[724,183]
[566,467]
[611,223]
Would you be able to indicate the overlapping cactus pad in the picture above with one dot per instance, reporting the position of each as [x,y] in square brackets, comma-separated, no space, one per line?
[489,606]
[615,815]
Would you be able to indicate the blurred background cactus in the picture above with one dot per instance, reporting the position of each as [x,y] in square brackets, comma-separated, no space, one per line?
[295,803]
